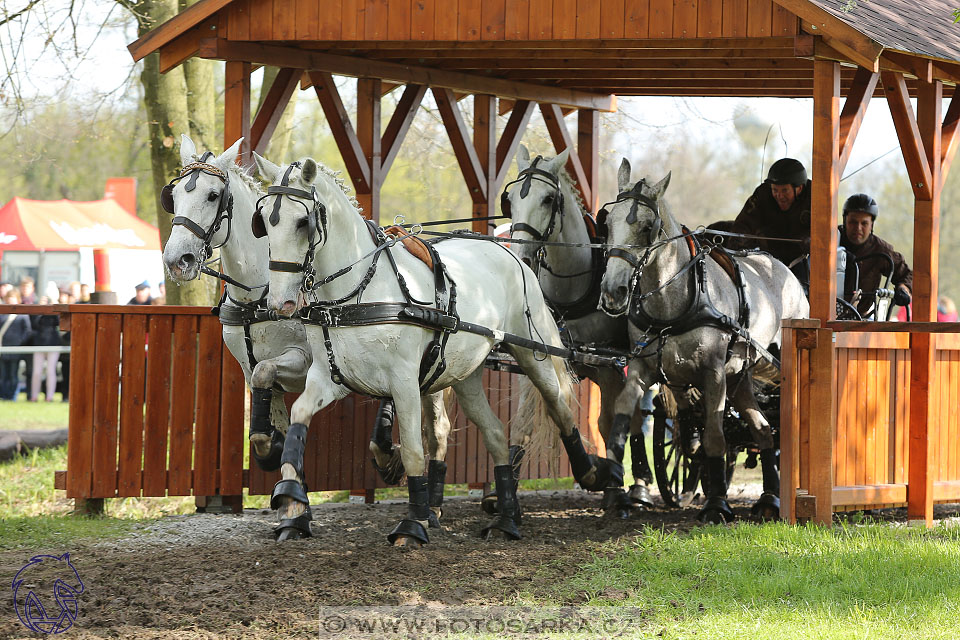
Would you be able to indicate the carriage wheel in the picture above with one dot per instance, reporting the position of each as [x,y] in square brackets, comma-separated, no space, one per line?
[677,472]
[846,311]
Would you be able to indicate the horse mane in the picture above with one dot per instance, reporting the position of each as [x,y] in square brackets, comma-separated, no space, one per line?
[244,174]
[566,179]
[334,176]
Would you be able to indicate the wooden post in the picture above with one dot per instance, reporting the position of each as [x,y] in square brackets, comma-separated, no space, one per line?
[368,133]
[236,108]
[588,148]
[823,258]
[270,112]
[926,232]
[485,142]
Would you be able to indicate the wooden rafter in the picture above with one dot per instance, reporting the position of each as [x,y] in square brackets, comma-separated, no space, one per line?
[911,144]
[620,44]
[220,49]
[920,68]
[343,132]
[553,118]
[236,107]
[399,124]
[949,137]
[278,96]
[369,92]
[182,48]
[814,19]
[175,27]
[462,144]
[854,108]
[510,138]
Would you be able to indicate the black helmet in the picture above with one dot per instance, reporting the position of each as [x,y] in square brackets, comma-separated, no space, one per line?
[861,202]
[787,171]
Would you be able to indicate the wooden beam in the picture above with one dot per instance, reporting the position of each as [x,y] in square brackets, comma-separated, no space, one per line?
[774,42]
[400,123]
[854,109]
[865,61]
[906,125]
[510,138]
[463,148]
[369,92]
[484,55]
[236,108]
[819,21]
[588,150]
[182,48]
[920,68]
[823,423]
[343,133]
[557,128]
[270,112]
[175,27]
[949,138]
[286,57]
[485,144]
[825,180]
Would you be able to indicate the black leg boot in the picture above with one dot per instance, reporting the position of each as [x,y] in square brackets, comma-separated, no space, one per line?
[509,508]
[382,437]
[642,476]
[591,472]
[768,506]
[293,447]
[489,501]
[615,500]
[418,512]
[436,478]
[260,424]
[716,510]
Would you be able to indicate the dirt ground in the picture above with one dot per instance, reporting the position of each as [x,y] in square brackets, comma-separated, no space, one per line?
[206,576]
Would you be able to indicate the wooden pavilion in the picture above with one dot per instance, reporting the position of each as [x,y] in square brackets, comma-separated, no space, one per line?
[892,442]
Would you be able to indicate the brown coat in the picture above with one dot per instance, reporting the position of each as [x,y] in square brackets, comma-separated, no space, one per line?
[873,271]
[761,216]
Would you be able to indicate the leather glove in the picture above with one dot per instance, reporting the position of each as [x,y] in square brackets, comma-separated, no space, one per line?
[901,297]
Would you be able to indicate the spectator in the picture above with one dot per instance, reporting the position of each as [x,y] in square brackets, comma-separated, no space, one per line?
[4,288]
[946,310]
[45,334]
[27,293]
[74,290]
[143,294]
[15,331]
[84,293]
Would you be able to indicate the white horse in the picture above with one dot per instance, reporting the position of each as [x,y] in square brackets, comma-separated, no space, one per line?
[389,326]
[689,323]
[213,202]
[544,206]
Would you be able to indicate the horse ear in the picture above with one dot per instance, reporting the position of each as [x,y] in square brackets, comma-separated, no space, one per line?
[228,157]
[523,157]
[560,161]
[661,186]
[267,170]
[623,175]
[308,173]
[188,150]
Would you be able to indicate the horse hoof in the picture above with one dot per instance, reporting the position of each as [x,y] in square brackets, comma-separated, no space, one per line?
[716,511]
[392,472]
[434,519]
[640,494]
[502,527]
[294,528]
[407,542]
[407,533]
[767,508]
[489,504]
[289,533]
[271,461]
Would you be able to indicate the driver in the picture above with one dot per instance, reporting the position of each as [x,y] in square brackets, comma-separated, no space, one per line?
[856,236]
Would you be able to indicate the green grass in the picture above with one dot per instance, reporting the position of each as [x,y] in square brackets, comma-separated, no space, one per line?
[33,415]
[778,581]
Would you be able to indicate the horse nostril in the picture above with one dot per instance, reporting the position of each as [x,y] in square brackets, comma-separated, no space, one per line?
[621,292]
[187,260]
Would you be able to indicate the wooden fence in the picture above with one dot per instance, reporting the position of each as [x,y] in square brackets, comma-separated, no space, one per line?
[157,408]
[870,447]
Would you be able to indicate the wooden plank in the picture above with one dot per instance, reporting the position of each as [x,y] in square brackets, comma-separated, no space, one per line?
[206,445]
[954,416]
[284,20]
[261,20]
[588,19]
[560,135]
[236,107]
[369,92]
[735,26]
[270,112]
[232,440]
[159,341]
[946,491]
[176,26]
[877,494]
[453,122]
[510,138]
[900,340]
[908,133]
[310,25]
[83,338]
[132,385]
[492,19]
[920,485]
[871,417]
[399,125]
[351,20]
[422,19]
[759,18]
[854,109]
[564,19]
[685,18]
[926,211]
[710,19]
[447,15]
[661,18]
[184,392]
[784,23]
[803,455]
[823,224]
[862,47]
[611,18]
[343,133]
[105,391]
[844,406]
[823,419]
[588,150]
[636,21]
[516,25]
[789,427]
[181,49]
[375,19]
[469,20]
[949,138]
[485,144]
[398,19]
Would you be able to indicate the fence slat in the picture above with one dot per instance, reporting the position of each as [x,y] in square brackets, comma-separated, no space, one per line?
[232,397]
[184,391]
[132,386]
[159,339]
[83,338]
[106,396]
[206,439]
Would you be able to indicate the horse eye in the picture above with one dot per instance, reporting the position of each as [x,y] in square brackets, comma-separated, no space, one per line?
[213,196]
[301,223]
[547,199]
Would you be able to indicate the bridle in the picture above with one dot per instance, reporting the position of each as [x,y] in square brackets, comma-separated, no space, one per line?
[316,225]
[224,209]
[637,197]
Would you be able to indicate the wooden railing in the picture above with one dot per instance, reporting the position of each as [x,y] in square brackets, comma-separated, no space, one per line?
[860,457]
[157,408]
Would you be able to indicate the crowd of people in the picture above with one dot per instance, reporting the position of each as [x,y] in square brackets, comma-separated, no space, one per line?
[37,372]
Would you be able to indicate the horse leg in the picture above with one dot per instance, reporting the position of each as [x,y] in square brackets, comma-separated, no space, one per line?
[716,510]
[642,475]
[386,457]
[437,425]
[411,531]
[767,507]
[477,409]
[611,383]
[266,439]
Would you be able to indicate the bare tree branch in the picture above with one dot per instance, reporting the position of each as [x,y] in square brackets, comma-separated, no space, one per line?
[13,16]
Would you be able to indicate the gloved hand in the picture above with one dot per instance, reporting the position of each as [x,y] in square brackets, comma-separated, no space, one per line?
[901,297]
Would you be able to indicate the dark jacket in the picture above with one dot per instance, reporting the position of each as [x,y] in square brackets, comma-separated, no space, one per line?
[17,334]
[761,216]
[45,331]
[873,271]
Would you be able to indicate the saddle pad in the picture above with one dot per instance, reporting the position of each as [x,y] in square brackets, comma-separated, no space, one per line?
[722,258]
[412,244]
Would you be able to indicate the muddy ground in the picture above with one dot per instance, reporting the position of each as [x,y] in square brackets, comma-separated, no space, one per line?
[223,576]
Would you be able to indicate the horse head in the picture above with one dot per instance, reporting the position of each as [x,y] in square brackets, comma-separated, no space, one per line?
[293,219]
[201,201]
[638,218]
[534,202]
